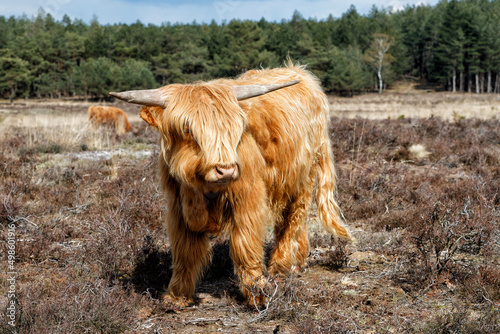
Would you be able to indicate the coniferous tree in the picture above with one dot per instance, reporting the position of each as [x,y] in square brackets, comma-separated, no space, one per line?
[416,38]
[14,75]
[451,45]
[135,74]
[490,43]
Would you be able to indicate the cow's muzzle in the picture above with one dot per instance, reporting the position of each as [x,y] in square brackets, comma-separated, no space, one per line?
[222,174]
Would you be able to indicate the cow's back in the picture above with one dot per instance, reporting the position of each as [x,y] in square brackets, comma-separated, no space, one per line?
[289,126]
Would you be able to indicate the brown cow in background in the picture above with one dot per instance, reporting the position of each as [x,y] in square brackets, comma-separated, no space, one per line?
[109,116]
[236,155]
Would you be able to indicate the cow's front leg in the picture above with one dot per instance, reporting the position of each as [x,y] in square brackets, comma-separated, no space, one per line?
[190,255]
[247,244]
[247,253]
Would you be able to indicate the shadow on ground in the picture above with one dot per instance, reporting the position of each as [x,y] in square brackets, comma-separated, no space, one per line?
[153,271]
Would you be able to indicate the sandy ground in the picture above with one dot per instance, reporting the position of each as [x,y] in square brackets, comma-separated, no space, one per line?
[449,106]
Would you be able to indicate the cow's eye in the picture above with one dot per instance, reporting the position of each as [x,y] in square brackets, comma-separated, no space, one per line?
[186,129]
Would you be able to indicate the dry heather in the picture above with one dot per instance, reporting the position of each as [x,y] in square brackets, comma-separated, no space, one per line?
[422,196]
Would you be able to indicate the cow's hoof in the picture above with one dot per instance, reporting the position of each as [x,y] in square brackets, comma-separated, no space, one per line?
[257,302]
[175,302]
[298,269]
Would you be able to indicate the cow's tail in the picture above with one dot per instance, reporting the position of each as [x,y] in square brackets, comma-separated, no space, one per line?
[328,209]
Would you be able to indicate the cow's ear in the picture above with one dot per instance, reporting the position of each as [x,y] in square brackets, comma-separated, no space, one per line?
[152,115]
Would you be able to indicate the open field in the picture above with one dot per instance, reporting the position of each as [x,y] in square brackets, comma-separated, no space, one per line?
[419,185]
[418,104]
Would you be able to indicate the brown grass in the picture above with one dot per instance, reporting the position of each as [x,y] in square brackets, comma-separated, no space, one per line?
[91,256]
[417,104]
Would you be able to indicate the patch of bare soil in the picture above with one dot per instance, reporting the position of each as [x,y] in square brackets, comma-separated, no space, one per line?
[421,195]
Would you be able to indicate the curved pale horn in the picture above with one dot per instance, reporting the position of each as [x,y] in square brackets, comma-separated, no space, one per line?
[146,97]
[248,91]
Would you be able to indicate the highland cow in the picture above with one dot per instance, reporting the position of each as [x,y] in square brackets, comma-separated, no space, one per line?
[112,117]
[235,156]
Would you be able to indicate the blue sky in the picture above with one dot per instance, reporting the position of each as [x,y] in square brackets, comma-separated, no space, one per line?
[203,11]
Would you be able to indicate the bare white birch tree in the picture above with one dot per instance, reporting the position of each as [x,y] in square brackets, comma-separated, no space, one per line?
[377,55]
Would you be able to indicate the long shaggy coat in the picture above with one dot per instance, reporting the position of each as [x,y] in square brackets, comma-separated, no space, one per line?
[234,166]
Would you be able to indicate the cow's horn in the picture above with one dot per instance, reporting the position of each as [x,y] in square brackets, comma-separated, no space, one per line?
[248,91]
[147,97]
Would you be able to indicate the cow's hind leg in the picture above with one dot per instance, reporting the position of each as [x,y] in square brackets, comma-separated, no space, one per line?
[302,248]
[292,245]
[190,255]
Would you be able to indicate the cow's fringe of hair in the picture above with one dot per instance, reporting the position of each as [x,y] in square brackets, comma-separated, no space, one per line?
[210,114]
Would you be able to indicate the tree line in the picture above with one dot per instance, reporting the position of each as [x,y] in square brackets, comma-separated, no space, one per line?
[454,44]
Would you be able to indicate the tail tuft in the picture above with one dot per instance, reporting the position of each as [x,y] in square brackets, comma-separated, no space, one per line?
[328,209]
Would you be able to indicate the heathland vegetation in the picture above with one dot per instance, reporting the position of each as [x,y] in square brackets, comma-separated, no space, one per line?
[455,44]
[421,196]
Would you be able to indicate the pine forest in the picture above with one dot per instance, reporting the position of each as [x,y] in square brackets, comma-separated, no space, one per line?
[454,46]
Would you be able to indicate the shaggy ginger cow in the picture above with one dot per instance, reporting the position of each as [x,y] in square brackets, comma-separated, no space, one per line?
[237,154]
[110,116]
